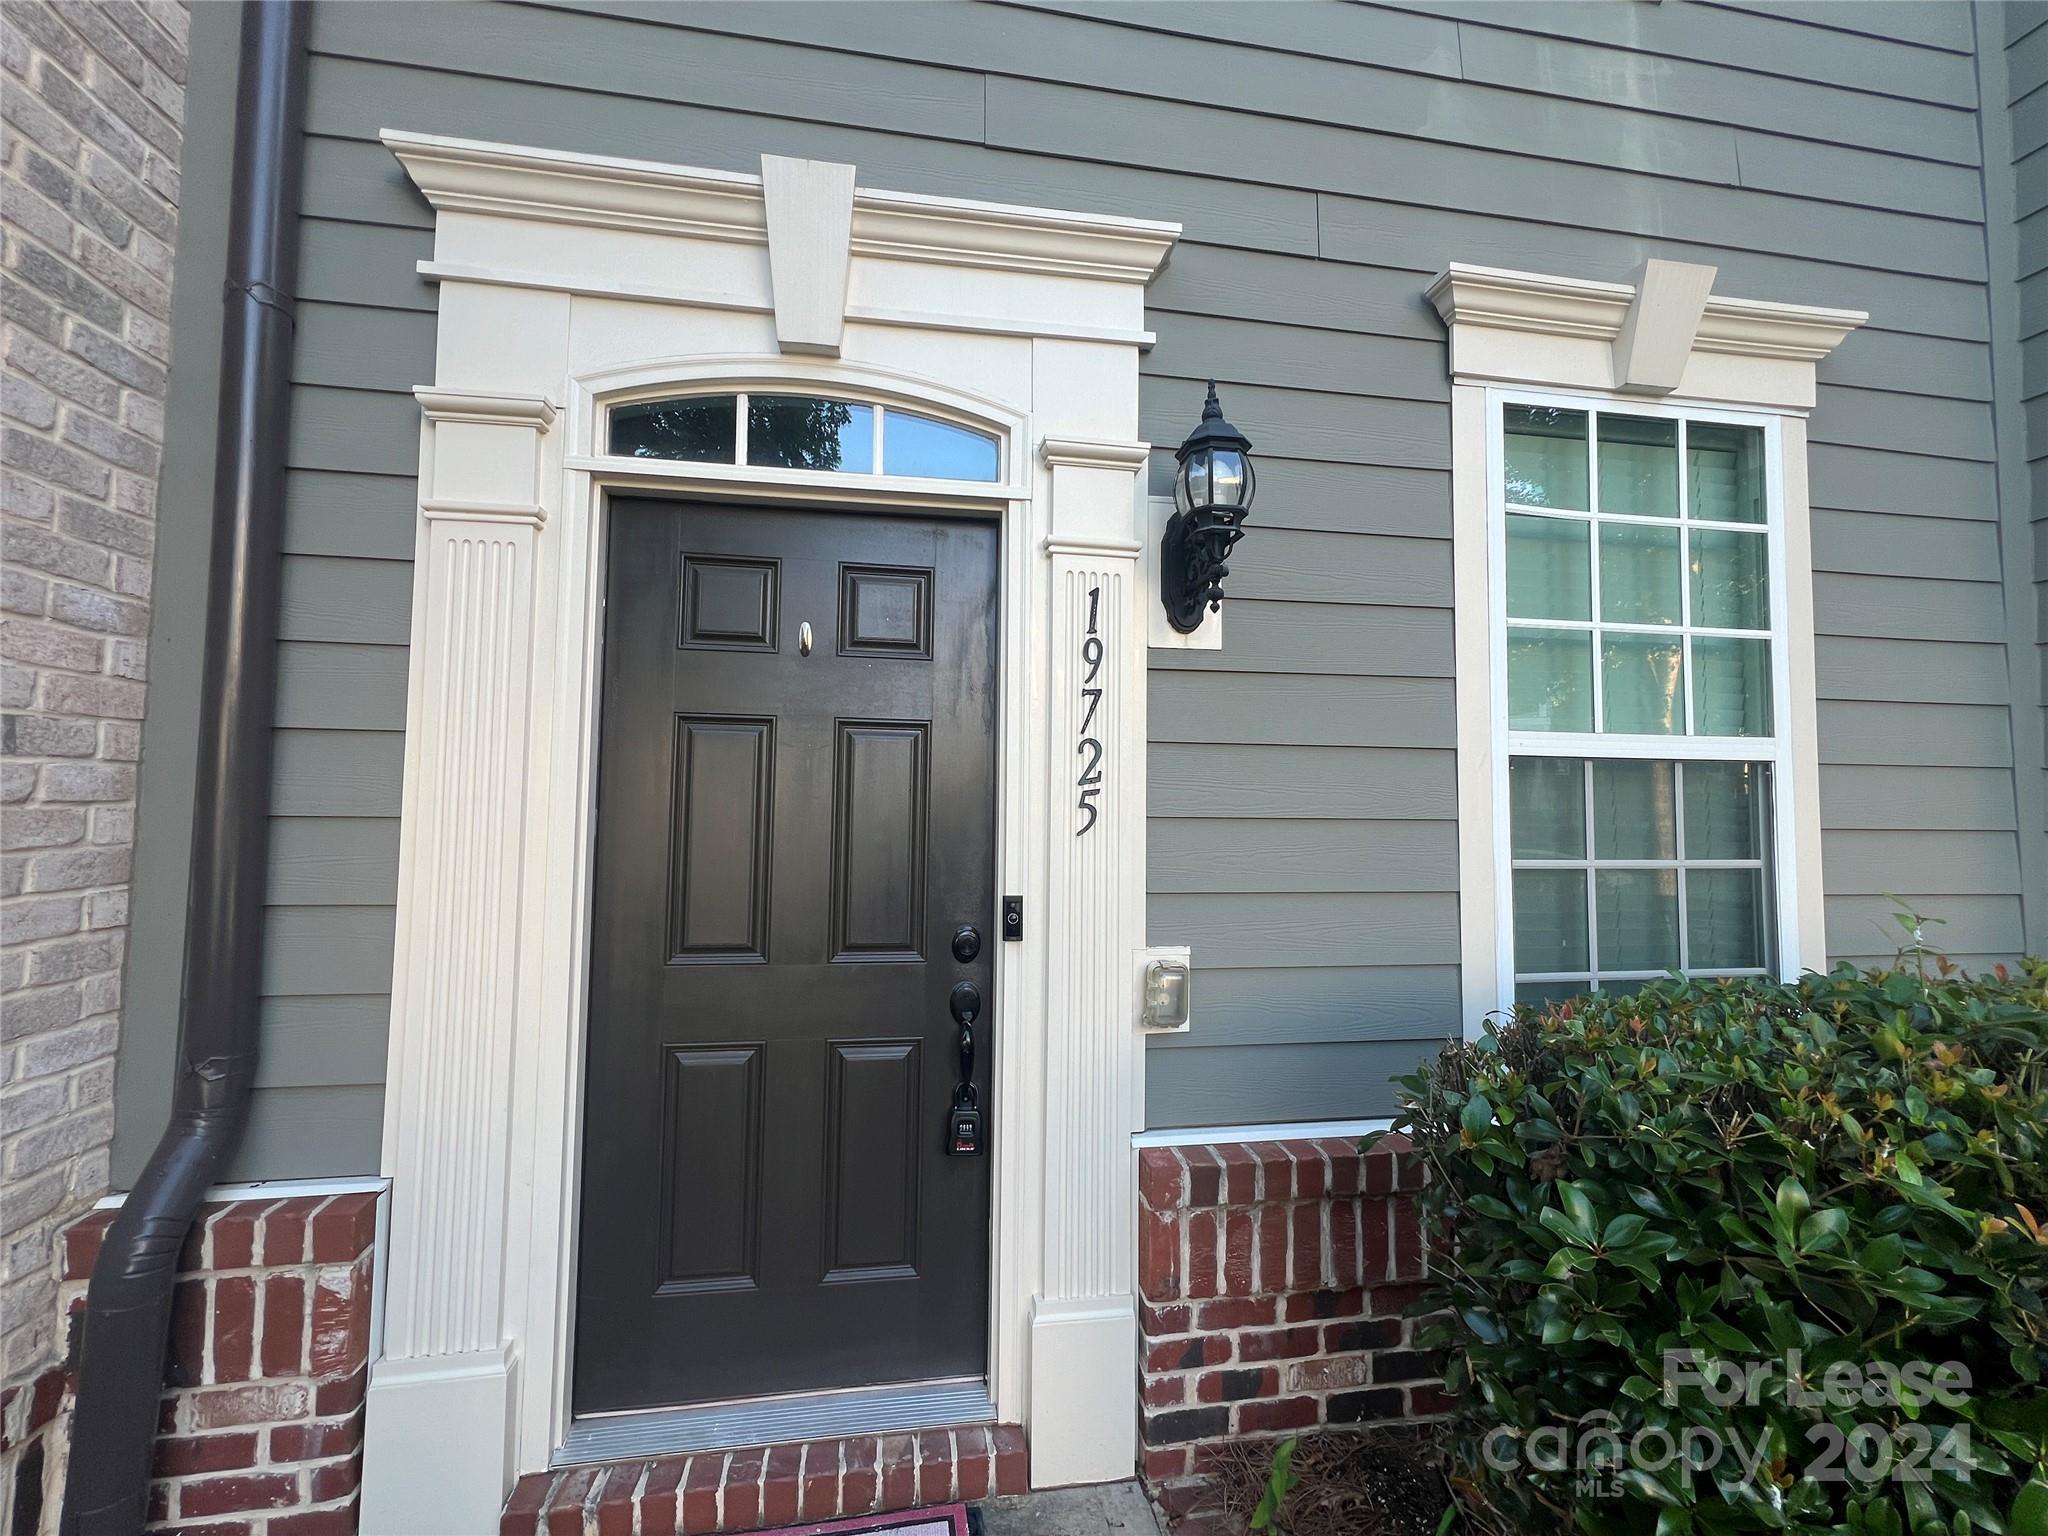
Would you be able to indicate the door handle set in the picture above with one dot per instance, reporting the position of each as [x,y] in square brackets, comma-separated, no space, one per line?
[964,1126]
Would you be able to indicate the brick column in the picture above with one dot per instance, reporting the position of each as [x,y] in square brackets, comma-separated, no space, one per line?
[94,107]
[261,1428]
[1275,1278]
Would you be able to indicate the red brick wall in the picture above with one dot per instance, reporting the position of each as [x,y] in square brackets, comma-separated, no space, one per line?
[1274,1278]
[261,1428]
[771,1485]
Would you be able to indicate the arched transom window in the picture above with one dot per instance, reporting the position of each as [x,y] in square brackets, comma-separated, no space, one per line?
[809,432]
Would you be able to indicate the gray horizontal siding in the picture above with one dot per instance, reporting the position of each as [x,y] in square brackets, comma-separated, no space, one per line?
[352,515]
[1969,929]
[1265,1079]
[312,1130]
[1932,26]
[329,861]
[1317,1005]
[2022,132]
[151,988]
[1232,855]
[1902,735]
[1741,41]
[1303,779]
[1919,865]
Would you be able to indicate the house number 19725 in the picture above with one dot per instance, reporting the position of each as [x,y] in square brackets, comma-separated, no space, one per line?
[1090,750]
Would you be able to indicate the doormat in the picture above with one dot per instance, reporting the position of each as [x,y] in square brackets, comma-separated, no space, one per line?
[939,1520]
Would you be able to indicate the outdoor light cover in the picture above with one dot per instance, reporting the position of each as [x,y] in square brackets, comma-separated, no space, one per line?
[1214,477]
[1213,487]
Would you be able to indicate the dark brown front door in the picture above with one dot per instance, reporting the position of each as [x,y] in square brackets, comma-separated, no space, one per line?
[796,814]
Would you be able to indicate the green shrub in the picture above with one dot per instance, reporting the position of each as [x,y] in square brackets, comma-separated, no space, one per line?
[1844,1173]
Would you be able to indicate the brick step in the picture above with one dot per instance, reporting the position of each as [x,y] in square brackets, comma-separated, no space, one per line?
[759,1487]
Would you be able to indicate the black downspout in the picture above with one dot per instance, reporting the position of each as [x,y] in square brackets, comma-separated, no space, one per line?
[128,1306]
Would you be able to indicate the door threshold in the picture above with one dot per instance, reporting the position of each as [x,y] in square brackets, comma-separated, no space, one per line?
[776,1420]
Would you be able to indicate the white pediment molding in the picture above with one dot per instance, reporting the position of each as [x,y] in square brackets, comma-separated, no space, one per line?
[1527,301]
[1574,306]
[607,192]
[1754,328]
[1536,328]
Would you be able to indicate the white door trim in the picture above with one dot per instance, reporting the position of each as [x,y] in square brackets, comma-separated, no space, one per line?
[482,1123]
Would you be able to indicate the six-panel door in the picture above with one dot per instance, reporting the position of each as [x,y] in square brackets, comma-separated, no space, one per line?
[796,813]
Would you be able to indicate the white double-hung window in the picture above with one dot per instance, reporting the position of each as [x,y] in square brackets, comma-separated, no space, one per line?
[1638,771]
[1639,655]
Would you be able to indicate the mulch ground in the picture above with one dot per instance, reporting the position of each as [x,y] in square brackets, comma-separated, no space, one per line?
[1378,1482]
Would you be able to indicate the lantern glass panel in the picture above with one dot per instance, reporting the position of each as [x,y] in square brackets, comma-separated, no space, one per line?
[1227,477]
[1194,480]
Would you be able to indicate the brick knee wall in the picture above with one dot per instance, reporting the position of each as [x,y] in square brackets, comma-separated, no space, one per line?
[260,1431]
[1274,1279]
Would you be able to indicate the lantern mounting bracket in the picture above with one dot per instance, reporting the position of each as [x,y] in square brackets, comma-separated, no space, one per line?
[1192,568]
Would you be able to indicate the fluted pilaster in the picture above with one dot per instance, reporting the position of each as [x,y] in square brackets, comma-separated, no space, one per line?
[447,1119]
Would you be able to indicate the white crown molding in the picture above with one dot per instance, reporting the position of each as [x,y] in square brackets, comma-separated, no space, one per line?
[1666,334]
[1754,328]
[1093,455]
[535,411]
[606,192]
[1528,301]
[439,510]
[468,431]
[1121,548]
[1533,302]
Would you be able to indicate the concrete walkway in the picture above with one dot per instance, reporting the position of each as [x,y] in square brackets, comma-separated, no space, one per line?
[1113,1509]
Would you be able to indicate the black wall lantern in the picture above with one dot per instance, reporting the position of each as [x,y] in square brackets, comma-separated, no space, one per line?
[1212,498]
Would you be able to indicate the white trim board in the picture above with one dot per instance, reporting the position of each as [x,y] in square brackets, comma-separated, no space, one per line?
[667,293]
[1219,1135]
[1530,336]
[1028,324]
[276,1189]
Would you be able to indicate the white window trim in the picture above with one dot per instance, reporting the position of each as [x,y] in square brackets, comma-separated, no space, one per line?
[1509,743]
[1664,340]
[882,406]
